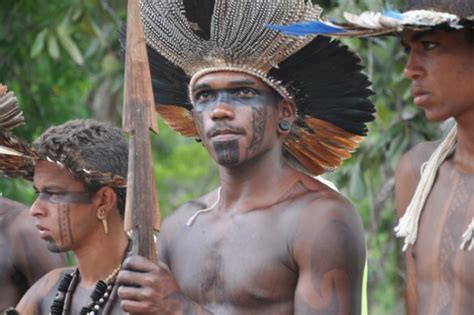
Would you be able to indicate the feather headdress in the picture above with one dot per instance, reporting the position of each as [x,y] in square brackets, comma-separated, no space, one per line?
[18,158]
[189,38]
[368,24]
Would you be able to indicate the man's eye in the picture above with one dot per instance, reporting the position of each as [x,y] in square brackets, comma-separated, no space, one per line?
[429,45]
[246,92]
[47,195]
[203,96]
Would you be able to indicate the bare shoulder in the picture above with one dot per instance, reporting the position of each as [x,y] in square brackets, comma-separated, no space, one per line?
[7,205]
[407,173]
[9,210]
[175,224]
[325,204]
[329,220]
[31,301]
[412,160]
[181,215]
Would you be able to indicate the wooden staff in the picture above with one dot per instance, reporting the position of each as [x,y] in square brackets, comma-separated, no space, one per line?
[142,215]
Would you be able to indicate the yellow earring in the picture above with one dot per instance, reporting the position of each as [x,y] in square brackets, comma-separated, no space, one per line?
[101,216]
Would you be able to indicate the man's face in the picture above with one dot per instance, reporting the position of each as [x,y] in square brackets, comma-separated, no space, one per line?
[64,212]
[440,65]
[236,116]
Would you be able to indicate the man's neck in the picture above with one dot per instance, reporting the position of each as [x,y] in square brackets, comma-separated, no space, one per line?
[256,183]
[98,260]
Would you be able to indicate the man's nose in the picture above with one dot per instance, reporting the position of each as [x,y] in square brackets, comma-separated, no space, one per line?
[222,110]
[37,208]
[413,68]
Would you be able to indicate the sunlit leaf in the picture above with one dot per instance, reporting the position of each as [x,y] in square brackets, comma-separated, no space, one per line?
[53,47]
[38,44]
[70,46]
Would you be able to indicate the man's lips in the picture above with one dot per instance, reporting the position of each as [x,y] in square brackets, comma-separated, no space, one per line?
[224,134]
[420,96]
[42,230]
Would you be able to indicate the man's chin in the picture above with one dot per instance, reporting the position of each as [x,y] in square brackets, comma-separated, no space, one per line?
[53,247]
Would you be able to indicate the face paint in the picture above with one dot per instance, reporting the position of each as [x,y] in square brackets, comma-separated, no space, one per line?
[258,128]
[61,197]
[66,239]
[234,114]
[227,152]
[198,121]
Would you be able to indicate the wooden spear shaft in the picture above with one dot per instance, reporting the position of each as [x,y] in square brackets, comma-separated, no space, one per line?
[142,214]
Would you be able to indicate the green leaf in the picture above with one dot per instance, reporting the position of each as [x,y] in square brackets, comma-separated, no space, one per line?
[38,44]
[70,46]
[110,64]
[53,47]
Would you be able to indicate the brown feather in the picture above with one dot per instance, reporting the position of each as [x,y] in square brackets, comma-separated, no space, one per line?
[320,146]
[10,114]
[16,156]
[178,118]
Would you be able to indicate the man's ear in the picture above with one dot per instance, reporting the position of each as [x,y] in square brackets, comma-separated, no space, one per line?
[106,198]
[287,116]
[287,110]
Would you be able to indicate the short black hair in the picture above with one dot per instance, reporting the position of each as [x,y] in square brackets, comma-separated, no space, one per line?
[87,144]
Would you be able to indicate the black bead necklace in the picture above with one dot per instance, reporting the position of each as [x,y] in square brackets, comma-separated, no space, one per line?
[103,294]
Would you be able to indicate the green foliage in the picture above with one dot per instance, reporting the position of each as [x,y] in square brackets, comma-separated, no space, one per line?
[63,61]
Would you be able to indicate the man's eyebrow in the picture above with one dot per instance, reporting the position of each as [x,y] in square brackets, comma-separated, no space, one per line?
[231,84]
[201,86]
[242,82]
[419,35]
[51,187]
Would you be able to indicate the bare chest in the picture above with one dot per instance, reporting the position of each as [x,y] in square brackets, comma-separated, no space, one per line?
[241,260]
[444,272]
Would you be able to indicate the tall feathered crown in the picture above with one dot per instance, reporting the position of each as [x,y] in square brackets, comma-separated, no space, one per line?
[18,158]
[189,38]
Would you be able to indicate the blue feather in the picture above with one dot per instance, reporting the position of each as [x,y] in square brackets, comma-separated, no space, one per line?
[393,14]
[307,28]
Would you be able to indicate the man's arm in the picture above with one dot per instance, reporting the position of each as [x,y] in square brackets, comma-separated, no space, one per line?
[405,185]
[30,255]
[329,250]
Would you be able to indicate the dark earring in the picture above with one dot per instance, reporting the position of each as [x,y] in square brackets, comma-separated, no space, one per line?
[284,125]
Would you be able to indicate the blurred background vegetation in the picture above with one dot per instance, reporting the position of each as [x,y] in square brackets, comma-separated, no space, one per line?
[62,59]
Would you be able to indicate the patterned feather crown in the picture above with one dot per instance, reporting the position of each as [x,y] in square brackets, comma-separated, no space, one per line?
[233,37]
[189,38]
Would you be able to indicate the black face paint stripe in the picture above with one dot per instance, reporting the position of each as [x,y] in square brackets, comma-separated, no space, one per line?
[80,197]
[60,226]
[258,128]
[227,152]
[69,227]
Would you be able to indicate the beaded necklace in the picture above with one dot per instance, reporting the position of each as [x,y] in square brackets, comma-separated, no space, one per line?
[102,298]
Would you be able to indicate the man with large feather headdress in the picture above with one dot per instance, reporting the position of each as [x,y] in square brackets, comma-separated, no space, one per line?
[434,180]
[272,111]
